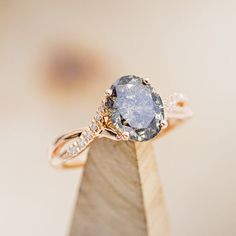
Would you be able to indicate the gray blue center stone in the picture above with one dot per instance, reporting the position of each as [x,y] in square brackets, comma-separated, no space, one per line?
[135,108]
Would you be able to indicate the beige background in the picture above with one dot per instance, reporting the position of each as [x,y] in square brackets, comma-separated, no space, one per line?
[186,46]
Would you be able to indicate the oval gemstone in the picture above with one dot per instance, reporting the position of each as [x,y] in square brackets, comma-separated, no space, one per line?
[135,108]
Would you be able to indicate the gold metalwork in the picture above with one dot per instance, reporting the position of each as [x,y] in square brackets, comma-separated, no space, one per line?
[67,148]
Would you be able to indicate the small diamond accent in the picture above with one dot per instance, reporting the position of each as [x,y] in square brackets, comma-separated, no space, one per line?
[176,106]
[93,127]
[88,135]
[102,107]
[73,149]
[98,117]
[81,143]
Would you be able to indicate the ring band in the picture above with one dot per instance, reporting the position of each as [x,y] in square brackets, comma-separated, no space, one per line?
[130,110]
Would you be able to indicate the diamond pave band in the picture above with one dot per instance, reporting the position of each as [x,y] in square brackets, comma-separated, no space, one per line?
[131,110]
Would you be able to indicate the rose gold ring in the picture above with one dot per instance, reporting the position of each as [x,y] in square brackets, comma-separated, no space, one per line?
[131,110]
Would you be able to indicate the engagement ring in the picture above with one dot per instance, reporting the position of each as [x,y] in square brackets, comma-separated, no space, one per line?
[131,110]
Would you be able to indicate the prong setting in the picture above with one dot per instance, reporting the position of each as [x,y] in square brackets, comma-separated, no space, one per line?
[108,92]
[164,124]
[146,80]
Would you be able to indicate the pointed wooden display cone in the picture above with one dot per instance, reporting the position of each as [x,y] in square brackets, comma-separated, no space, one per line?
[120,192]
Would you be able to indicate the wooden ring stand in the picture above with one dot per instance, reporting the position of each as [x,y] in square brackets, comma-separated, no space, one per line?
[120,192]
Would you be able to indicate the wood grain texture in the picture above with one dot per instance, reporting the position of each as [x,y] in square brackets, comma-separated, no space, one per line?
[120,192]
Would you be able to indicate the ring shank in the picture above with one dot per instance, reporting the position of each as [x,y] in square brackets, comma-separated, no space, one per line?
[60,159]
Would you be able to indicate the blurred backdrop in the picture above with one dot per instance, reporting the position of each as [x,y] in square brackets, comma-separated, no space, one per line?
[56,60]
